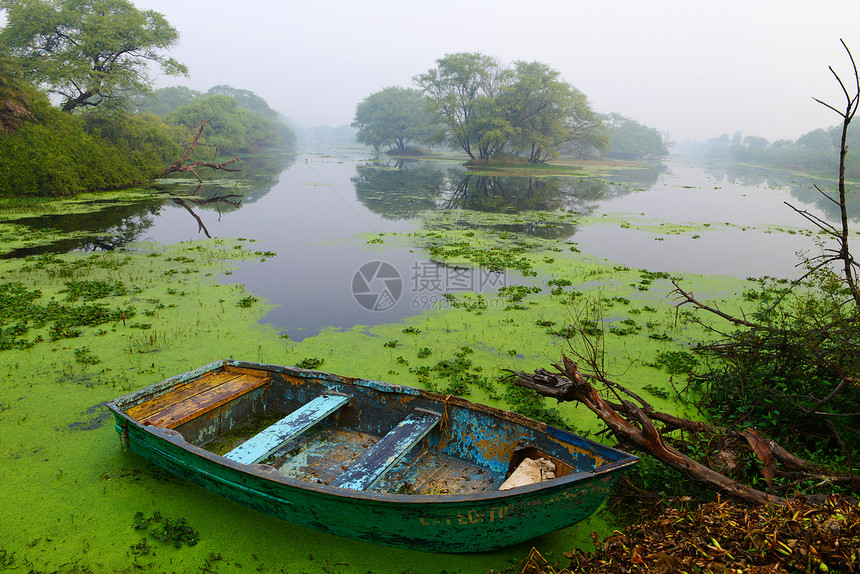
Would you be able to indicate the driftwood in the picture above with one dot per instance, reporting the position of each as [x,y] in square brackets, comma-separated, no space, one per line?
[180,165]
[642,434]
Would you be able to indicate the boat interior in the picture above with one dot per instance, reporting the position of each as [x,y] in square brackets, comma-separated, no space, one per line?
[356,434]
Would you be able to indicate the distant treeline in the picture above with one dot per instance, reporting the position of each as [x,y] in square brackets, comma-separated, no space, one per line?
[815,152]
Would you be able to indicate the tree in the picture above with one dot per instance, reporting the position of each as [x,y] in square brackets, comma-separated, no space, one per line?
[547,113]
[228,127]
[461,90]
[89,52]
[163,100]
[488,109]
[250,101]
[843,255]
[393,117]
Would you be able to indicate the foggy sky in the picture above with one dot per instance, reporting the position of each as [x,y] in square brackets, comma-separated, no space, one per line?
[695,69]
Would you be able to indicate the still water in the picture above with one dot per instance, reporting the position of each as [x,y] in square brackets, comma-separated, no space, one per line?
[319,213]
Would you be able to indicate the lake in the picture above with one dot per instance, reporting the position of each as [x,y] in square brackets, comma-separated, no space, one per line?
[320,211]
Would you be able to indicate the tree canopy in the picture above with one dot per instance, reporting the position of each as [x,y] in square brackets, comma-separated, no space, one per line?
[461,89]
[234,128]
[526,109]
[88,52]
[394,117]
[549,114]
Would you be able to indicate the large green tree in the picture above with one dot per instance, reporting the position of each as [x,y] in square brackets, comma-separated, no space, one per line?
[548,113]
[393,117]
[490,110]
[89,52]
[630,139]
[163,100]
[462,89]
[232,129]
[250,101]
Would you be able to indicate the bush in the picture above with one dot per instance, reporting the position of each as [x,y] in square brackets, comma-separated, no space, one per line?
[795,374]
[63,154]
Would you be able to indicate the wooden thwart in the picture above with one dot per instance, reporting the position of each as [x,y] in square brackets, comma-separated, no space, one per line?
[268,440]
[384,455]
[196,398]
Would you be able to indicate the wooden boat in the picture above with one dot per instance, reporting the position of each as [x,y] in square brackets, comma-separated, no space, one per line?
[364,459]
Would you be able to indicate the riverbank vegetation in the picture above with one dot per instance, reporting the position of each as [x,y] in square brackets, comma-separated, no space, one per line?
[106,131]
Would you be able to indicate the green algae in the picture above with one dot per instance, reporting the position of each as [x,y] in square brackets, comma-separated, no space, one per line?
[16,215]
[640,222]
[15,208]
[76,492]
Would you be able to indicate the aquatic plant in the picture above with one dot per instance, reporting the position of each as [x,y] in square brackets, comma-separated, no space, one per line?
[173,531]
[311,363]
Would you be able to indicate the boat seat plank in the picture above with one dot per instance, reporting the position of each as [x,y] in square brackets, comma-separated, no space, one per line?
[155,405]
[297,422]
[385,454]
[201,403]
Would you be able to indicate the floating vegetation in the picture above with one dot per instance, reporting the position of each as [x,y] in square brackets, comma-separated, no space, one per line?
[311,363]
[92,290]
[175,532]
[20,313]
[246,302]
[85,357]
[676,362]
[657,391]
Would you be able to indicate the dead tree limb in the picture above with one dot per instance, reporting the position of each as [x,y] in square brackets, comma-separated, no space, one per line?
[570,385]
[180,165]
[842,254]
[686,297]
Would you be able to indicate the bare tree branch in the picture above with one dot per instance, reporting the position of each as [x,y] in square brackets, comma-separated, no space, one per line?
[570,385]
[180,165]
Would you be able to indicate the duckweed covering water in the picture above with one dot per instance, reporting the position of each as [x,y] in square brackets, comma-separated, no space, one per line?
[72,493]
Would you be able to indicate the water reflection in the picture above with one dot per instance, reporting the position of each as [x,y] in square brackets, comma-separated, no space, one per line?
[108,228]
[512,194]
[399,189]
[227,191]
[109,225]
[802,189]
[312,214]
[403,189]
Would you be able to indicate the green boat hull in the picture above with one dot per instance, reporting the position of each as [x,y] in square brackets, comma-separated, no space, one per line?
[434,523]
